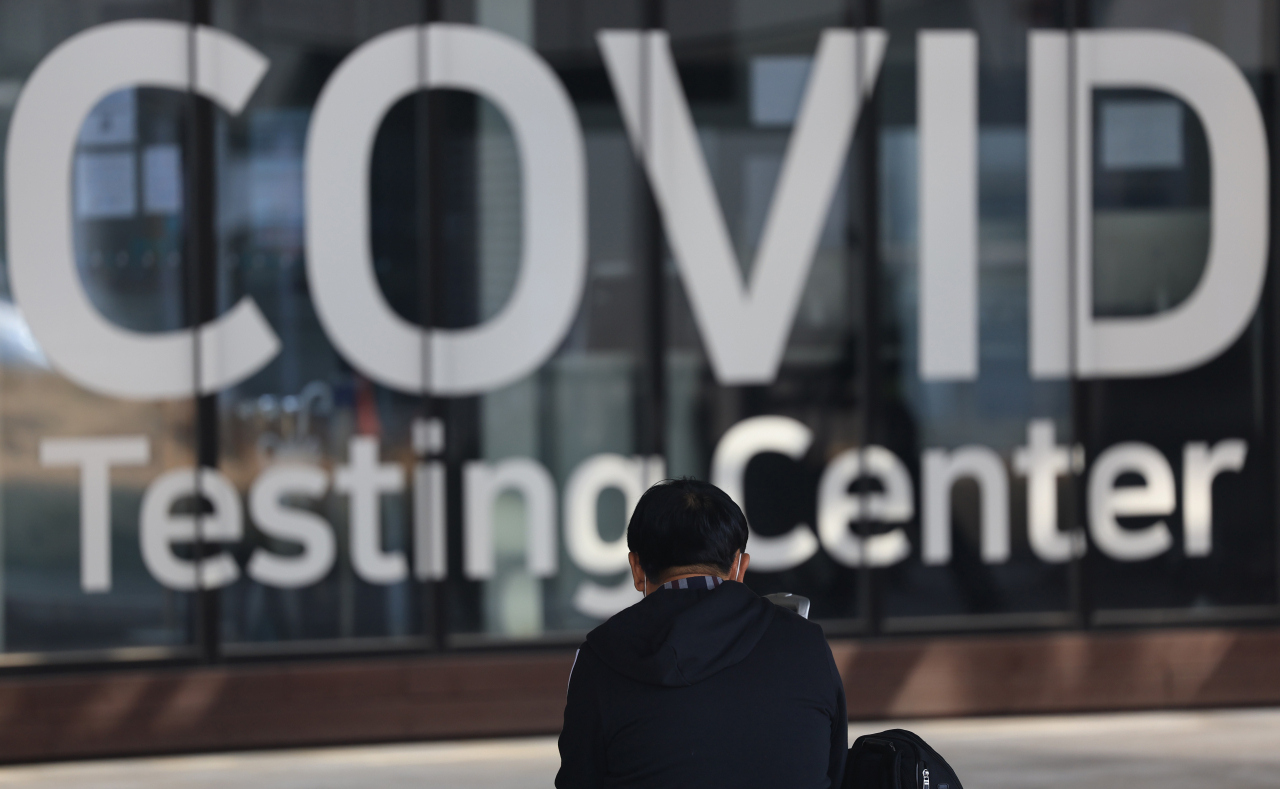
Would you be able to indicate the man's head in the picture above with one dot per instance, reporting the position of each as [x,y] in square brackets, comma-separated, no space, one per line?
[686,527]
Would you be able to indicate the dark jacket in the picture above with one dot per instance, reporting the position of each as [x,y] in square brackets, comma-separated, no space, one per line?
[704,689]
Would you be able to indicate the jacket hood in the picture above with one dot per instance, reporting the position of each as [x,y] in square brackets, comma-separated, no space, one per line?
[679,637]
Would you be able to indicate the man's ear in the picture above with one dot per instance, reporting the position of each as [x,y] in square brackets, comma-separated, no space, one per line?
[637,573]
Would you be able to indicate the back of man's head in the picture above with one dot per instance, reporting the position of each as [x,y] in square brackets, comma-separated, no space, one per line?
[688,524]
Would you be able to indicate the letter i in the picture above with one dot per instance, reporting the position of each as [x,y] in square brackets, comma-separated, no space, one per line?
[430,559]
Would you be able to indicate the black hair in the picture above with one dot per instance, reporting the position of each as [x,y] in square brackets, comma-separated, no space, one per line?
[683,522]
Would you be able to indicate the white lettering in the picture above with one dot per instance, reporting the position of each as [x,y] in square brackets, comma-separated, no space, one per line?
[941,471]
[95,457]
[366,480]
[1042,461]
[430,550]
[430,553]
[160,529]
[82,344]
[482,482]
[1155,496]
[307,529]
[1048,208]
[745,326]
[838,508]
[1223,302]
[352,309]
[602,602]
[737,447]
[631,476]
[947,109]
[1200,465]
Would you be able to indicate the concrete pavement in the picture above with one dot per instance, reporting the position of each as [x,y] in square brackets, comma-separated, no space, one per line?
[1230,749]
[1224,749]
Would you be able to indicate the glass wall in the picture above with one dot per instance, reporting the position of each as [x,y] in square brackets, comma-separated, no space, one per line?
[333,565]
[966,303]
[967,426]
[764,398]
[78,460]
[1154,209]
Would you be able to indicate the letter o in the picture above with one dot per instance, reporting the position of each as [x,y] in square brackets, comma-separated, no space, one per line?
[352,309]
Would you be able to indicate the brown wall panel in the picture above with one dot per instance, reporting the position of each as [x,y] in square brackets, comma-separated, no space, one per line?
[1066,672]
[407,698]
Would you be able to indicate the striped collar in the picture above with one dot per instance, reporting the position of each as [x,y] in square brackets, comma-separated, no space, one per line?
[694,582]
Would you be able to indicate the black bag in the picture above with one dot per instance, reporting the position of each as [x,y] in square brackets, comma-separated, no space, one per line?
[896,759]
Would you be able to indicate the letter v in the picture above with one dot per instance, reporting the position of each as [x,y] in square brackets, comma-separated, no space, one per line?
[744,325]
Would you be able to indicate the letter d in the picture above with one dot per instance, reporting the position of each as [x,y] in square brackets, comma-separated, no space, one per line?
[1222,304]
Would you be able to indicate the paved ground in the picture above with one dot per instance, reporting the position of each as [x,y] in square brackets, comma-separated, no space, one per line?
[1230,749]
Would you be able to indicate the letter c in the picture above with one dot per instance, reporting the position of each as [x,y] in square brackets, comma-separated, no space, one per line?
[739,444]
[79,341]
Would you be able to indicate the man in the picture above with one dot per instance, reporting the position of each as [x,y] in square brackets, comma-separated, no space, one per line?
[702,683]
